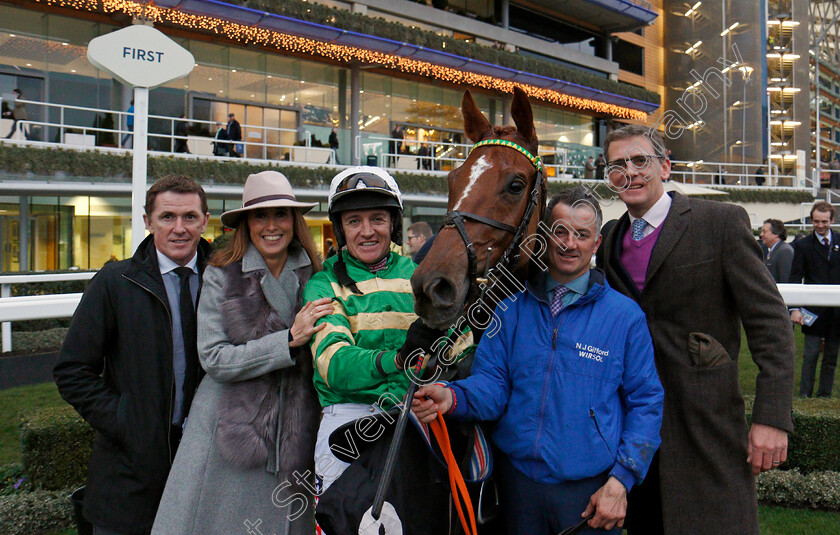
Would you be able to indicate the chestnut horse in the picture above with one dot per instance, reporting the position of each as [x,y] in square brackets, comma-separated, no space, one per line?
[496,199]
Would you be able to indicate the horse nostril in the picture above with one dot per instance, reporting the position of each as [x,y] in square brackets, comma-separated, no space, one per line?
[441,292]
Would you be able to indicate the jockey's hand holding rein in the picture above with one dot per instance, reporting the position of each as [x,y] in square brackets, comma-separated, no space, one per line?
[418,341]
[430,399]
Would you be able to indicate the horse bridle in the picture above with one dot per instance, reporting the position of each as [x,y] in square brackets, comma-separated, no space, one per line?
[510,258]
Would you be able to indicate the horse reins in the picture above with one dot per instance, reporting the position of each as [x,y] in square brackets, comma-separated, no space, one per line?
[510,257]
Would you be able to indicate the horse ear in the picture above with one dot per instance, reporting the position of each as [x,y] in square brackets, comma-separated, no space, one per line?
[523,117]
[476,125]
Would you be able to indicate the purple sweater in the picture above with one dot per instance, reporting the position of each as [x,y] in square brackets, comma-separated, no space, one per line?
[635,255]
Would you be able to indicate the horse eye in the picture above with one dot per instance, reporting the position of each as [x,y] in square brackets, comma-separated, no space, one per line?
[516,187]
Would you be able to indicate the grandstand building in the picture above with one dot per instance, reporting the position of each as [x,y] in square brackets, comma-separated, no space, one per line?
[386,75]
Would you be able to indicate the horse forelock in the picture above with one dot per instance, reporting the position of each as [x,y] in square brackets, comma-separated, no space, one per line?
[511,132]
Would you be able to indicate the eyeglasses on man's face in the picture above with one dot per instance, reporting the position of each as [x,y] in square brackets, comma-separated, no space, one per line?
[414,237]
[639,162]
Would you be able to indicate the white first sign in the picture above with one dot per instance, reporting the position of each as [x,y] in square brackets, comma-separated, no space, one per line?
[140,56]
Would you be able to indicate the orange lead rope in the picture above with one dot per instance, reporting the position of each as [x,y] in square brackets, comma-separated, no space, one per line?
[456,479]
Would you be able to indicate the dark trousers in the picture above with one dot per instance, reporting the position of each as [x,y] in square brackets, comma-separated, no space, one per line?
[126,137]
[14,129]
[644,504]
[533,508]
[175,433]
[809,365]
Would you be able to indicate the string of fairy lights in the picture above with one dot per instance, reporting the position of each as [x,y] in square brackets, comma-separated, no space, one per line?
[250,35]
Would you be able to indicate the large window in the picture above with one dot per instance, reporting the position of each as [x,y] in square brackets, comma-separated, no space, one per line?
[629,57]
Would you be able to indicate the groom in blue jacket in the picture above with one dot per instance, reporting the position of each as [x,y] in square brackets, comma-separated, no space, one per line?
[570,381]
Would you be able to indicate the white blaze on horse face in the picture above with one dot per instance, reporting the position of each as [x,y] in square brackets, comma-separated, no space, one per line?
[479,167]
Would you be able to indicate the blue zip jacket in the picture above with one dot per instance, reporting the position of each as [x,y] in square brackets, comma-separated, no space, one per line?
[576,395]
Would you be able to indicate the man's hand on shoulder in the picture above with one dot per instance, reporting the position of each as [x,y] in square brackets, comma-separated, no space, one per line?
[767,447]
[609,503]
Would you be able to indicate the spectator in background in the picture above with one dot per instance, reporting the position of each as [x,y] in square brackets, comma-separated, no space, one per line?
[835,173]
[424,162]
[129,363]
[18,113]
[396,143]
[330,247]
[129,125]
[600,165]
[235,134]
[220,148]
[779,255]
[333,141]
[418,234]
[759,176]
[181,133]
[589,169]
[816,260]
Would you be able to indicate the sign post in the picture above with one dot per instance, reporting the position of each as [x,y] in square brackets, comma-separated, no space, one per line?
[139,164]
[144,58]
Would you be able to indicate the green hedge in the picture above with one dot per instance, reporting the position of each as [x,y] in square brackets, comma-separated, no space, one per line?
[344,19]
[789,488]
[56,445]
[767,195]
[35,512]
[814,445]
[48,340]
[108,167]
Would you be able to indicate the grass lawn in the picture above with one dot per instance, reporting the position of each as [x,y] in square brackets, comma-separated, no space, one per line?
[781,521]
[749,370]
[14,401]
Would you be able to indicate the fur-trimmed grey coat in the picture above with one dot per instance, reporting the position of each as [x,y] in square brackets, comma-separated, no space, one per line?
[254,419]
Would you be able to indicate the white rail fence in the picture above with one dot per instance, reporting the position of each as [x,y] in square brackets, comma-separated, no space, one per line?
[35,307]
[64,305]
[69,126]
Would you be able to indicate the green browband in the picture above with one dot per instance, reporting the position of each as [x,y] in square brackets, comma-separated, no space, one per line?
[536,161]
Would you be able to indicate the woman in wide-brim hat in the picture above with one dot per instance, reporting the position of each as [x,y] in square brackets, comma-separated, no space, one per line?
[247,451]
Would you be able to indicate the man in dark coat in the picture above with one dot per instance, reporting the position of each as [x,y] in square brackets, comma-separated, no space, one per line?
[17,113]
[696,270]
[600,165]
[779,255]
[816,260]
[234,131]
[181,134]
[129,363]
[220,148]
[396,143]
[333,142]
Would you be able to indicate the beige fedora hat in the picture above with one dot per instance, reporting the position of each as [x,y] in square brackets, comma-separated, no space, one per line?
[268,189]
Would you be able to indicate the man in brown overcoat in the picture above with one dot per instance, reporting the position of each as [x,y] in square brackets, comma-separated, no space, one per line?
[696,271]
